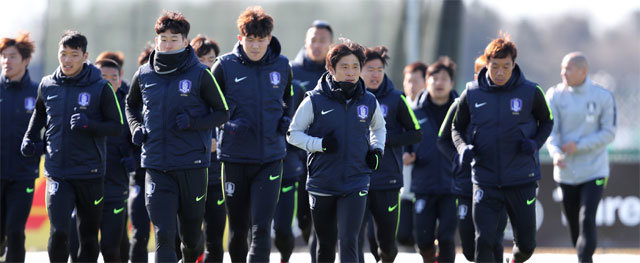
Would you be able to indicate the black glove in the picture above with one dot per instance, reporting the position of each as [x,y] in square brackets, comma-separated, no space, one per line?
[139,136]
[528,146]
[283,125]
[374,158]
[129,164]
[466,156]
[30,148]
[329,144]
[238,127]
[183,121]
[79,121]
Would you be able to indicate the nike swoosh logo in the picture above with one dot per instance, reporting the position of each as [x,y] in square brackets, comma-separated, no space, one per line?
[363,193]
[52,97]
[118,211]
[198,198]
[325,112]
[220,201]
[149,85]
[599,182]
[96,202]
[271,177]
[391,208]
[240,79]
[29,190]
[529,202]
[287,189]
[478,105]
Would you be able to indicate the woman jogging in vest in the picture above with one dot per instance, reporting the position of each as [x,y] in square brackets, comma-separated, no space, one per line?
[342,128]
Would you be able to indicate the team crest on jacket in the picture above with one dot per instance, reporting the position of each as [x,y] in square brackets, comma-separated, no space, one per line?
[184,86]
[229,188]
[516,105]
[384,109]
[462,211]
[363,111]
[53,187]
[29,103]
[83,99]
[275,78]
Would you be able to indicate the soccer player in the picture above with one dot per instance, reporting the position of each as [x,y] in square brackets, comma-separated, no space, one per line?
[462,186]
[78,109]
[182,104]
[215,215]
[402,127]
[586,123]
[342,128]
[257,82]
[508,119]
[17,173]
[431,179]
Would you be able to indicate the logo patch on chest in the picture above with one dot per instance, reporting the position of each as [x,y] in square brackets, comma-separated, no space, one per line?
[384,109]
[84,99]
[184,87]
[516,106]
[29,103]
[363,112]
[274,77]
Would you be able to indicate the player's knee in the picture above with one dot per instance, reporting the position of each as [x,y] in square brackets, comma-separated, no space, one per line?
[59,235]
[262,229]
[164,237]
[485,241]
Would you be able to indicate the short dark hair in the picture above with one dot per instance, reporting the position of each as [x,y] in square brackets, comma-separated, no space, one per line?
[501,47]
[118,57]
[443,63]
[416,66]
[175,22]
[321,24]
[348,47]
[23,44]
[74,40]
[145,53]
[202,45]
[379,52]
[255,22]
[108,63]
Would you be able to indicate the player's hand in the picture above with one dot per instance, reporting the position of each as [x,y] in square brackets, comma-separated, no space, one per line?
[467,156]
[139,136]
[569,148]
[283,125]
[329,144]
[238,127]
[79,121]
[374,158]
[408,158]
[183,121]
[30,148]
[558,160]
[214,145]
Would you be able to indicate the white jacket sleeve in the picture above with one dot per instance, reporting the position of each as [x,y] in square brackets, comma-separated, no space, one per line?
[302,119]
[554,142]
[378,131]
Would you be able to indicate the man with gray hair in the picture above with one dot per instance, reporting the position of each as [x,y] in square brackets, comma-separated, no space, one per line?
[585,115]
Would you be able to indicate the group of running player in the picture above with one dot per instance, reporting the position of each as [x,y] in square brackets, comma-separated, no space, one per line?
[199,137]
